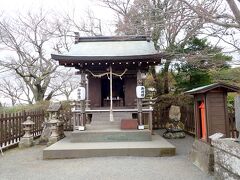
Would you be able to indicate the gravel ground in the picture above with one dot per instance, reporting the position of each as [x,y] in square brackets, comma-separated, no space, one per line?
[27,164]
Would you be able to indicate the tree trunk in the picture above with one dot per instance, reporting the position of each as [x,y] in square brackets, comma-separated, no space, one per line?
[38,96]
[235,10]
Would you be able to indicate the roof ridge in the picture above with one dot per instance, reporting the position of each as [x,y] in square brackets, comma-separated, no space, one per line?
[113,38]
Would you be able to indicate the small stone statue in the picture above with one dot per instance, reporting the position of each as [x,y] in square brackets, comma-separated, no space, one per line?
[46,132]
[174,129]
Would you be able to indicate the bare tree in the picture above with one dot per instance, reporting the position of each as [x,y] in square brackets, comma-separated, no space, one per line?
[68,88]
[121,7]
[212,11]
[27,95]
[27,37]
[222,19]
[172,24]
[10,91]
[30,38]
[90,25]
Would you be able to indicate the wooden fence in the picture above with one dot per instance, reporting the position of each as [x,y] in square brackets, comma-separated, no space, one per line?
[234,133]
[11,129]
[161,117]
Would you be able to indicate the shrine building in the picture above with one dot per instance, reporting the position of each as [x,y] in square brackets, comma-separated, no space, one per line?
[113,66]
[111,115]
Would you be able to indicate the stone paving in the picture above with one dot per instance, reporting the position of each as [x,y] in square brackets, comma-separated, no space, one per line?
[27,164]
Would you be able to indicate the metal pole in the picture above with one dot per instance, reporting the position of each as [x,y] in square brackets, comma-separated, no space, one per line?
[111,100]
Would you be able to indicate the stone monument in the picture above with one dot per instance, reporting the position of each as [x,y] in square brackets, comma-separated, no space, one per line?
[174,128]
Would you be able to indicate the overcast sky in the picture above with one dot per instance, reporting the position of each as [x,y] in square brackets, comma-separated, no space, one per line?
[80,7]
[13,7]
[25,5]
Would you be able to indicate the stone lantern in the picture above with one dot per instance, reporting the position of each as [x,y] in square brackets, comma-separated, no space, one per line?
[53,110]
[27,139]
[54,137]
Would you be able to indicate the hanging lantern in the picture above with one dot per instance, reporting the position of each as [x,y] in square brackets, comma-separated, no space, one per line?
[81,93]
[140,92]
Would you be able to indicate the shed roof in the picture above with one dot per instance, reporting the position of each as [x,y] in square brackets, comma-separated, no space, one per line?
[204,89]
[110,48]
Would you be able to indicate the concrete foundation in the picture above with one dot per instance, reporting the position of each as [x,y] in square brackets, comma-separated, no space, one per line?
[202,156]
[66,149]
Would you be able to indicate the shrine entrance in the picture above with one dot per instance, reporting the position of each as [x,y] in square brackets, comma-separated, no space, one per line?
[117,92]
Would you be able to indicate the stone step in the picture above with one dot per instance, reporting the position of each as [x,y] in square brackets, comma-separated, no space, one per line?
[66,149]
[107,119]
[111,135]
[105,123]
[102,126]
[105,116]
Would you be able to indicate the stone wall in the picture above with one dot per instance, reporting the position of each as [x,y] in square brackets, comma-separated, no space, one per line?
[226,159]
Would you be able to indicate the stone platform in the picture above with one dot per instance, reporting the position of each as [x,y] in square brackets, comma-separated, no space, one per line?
[66,149]
[110,135]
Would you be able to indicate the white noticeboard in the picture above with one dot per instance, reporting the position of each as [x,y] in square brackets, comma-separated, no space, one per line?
[140,92]
[81,93]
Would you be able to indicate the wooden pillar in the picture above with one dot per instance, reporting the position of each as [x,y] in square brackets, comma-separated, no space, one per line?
[87,92]
[76,115]
[139,100]
[83,102]
[150,121]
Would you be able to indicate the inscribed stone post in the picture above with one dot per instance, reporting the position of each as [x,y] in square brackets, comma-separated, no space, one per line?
[237,112]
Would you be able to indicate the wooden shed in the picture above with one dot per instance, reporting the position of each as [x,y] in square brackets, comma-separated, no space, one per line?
[210,109]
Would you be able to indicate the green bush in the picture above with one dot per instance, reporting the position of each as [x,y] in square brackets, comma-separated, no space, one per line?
[19,108]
